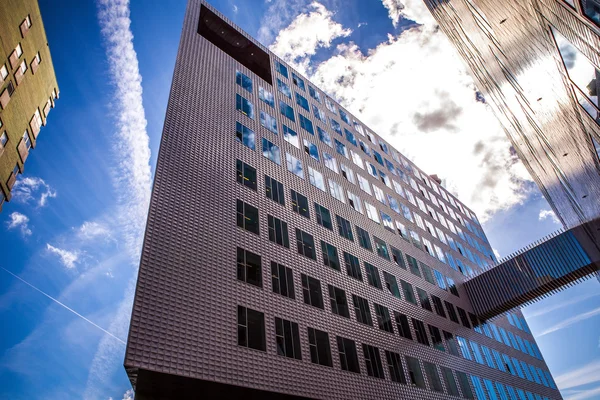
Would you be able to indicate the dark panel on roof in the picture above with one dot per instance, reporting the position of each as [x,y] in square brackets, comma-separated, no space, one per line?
[232,42]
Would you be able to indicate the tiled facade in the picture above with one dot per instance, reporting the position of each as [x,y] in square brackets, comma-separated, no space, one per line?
[548,107]
[228,228]
[28,87]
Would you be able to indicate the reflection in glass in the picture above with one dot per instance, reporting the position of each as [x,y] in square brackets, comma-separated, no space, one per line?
[591,9]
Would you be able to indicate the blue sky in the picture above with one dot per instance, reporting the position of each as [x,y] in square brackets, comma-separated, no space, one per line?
[74,227]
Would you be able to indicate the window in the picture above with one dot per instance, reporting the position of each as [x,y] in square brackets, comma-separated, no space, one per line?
[246,174]
[361,309]
[278,231]
[424,299]
[440,279]
[402,325]
[383,318]
[420,331]
[373,361]
[381,248]
[363,238]
[336,191]
[305,243]
[3,139]
[284,89]
[451,311]
[591,9]
[286,111]
[22,68]
[330,105]
[373,276]
[249,267]
[319,114]
[294,165]
[395,367]
[449,381]
[282,280]
[282,69]
[350,137]
[19,50]
[316,178]
[476,352]
[352,266]
[311,291]
[287,339]
[335,126]
[323,217]
[330,256]
[341,148]
[347,352]
[320,352]
[452,286]
[302,102]
[245,135]
[324,136]
[266,96]
[436,338]
[354,201]
[433,377]
[439,308]
[427,274]
[244,81]
[463,317]
[356,159]
[339,304]
[251,328]
[463,382]
[413,265]
[242,104]
[344,117]
[300,204]
[398,257]
[344,228]
[247,217]
[268,122]
[391,284]
[306,124]
[314,93]
[372,212]
[291,136]
[414,372]
[330,162]
[274,190]
[298,81]
[271,151]
[3,72]
[451,342]
[348,174]
[365,186]
[464,348]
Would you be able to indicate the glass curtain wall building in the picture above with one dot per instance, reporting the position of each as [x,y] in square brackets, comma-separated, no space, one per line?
[538,64]
[291,252]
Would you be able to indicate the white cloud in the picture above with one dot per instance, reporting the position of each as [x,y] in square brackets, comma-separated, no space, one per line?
[563,304]
[91,230]
[585,394]
[278,14]
[235,9]
[308,32]
[32,190]
[545,214]
[496,253]
[415,10]
[584,375]
[570,321]
[67,258]
[19,221]
[128,395]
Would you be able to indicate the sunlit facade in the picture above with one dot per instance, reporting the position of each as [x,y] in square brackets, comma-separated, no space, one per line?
[291,252]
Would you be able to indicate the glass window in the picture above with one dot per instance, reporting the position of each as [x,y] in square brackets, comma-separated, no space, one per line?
[415,373]
[3,72]
[245,135]
[336,191]
[3,139]
[314,93]
[286,110]
[330,256]
[420,332]
[284,89]
[282,69]
[330,162]
[246,174]
[282,280]
[337,128]
[464,347]
[366,187]
[271,151]
[383,318]
[247,217]
[324,136]
[352,266]
[306,244]
[242,104]
[249,267]
[300,204]
[291,136]
[373,361]
[339,304]
[373,276]
[357,159]
[391,284]
[320,351]
[354,201]
[347,352]
[251,328]
[350,137]
[344,228]
[294,165]
[302,102]
[465,388]
[436,338]
[402,325]
[319,114]
[344,116]
[298,81]
[266,96]
[398,257]
[450,382]
[330,105]
[278,231]
[316,178]
[381,247]
[379,195]
[323,217]
[437,305]
[477,352]
[433,377]
[341,148]
[591,9]
[287,339]
[311,149]
[311,291]
[423,299]
[361,309]
[388,223]
[413,265]
[306,124]
[268,122]
[348,174]
[451,311]
[243,81]
[363,238]
[395,367]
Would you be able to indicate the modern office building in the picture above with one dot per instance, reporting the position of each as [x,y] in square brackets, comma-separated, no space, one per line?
[28,87]
[537,63]
[291,252]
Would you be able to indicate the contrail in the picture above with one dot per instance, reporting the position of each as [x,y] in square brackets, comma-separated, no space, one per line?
[63,305]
